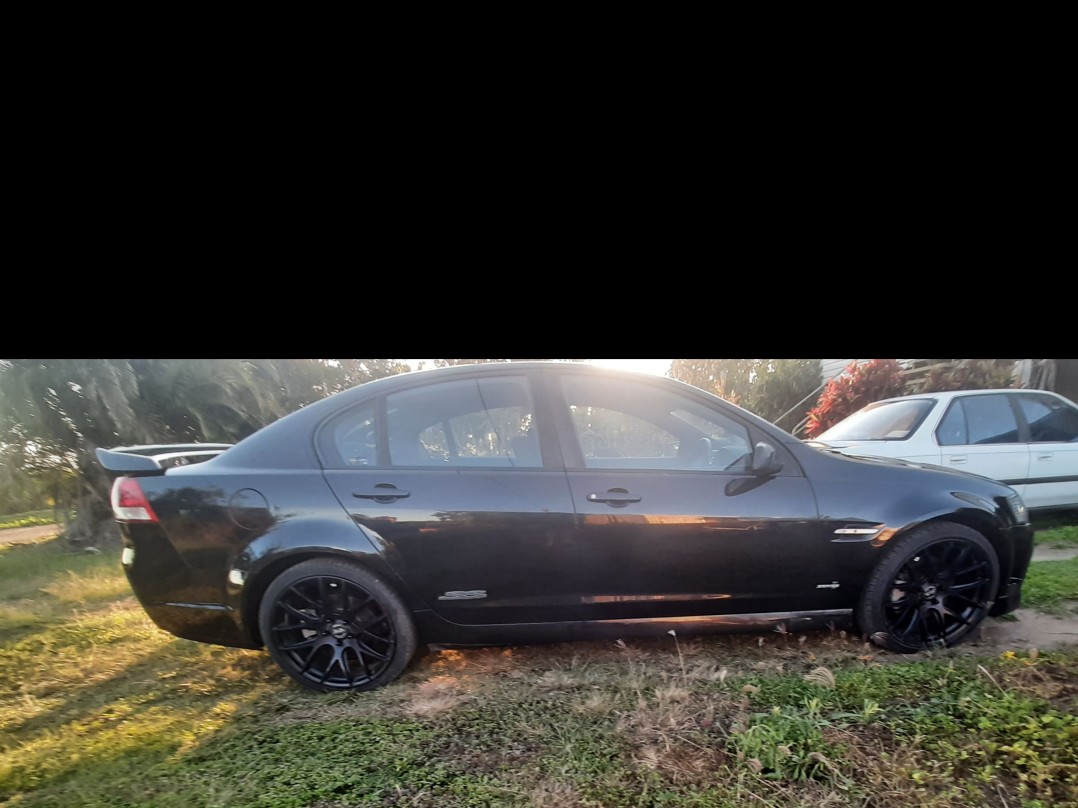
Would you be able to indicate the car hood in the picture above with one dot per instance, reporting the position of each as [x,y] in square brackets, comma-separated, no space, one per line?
[844,444]
[842,448]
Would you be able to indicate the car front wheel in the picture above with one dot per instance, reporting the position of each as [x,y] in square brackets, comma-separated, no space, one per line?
[931,590]
[333,625]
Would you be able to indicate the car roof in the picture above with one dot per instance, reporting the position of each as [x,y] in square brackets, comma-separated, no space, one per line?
[281,443]
[947,395]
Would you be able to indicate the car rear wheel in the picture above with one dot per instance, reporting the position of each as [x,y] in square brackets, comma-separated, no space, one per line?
[333,625]
[931,590]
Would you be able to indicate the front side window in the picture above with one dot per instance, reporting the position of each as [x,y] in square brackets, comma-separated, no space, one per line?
[1050,420]
[989,419]
[462,424]
[638,426]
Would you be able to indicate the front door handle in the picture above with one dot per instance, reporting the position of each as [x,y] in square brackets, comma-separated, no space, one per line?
[618,497]
[383,492]
[958,458]
[1045,456]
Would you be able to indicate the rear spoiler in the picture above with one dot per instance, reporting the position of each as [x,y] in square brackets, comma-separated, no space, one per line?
[146,460]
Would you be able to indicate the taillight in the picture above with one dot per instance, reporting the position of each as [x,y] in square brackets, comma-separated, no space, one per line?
[129,504]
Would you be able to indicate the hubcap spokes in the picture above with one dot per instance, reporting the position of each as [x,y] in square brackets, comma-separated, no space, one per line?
[939,592]
[332,632]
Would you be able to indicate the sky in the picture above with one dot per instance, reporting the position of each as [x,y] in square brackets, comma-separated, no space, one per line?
[657,367]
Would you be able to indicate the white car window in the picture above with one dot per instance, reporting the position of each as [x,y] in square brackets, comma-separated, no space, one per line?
[1050,420]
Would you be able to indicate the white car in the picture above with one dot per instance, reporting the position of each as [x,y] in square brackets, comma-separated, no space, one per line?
[1027,439]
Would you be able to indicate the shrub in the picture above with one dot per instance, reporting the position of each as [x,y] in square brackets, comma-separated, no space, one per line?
[856,387]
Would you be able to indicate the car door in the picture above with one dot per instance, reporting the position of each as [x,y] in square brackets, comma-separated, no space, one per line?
[1053,450]
[669,522]
[979,434]
[463,488]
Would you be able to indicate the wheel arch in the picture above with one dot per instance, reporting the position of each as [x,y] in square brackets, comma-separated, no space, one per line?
[984,524]
[259,582]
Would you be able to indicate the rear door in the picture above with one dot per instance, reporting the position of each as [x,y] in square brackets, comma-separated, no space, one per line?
[1053,450]
[980,434]
[461,485]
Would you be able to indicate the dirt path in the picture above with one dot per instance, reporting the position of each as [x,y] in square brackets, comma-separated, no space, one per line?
[20,535]
[1054,553]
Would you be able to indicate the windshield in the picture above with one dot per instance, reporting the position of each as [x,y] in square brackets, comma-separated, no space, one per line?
[887,420]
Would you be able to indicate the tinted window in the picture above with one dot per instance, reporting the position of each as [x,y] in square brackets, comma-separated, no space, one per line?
[989,419]
[636,426]
[892,420]
[1049,419]
[467,423]
[354,438]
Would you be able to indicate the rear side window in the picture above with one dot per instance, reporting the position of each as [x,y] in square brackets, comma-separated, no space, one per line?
[976,420]
[1049,419]
[464,424]
[351,439]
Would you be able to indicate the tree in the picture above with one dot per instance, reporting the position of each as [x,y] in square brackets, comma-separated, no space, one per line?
[770,388]
[55,412]
[856,387]
[939,375]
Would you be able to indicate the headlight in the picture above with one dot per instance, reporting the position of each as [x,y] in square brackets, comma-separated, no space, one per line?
[1018,508]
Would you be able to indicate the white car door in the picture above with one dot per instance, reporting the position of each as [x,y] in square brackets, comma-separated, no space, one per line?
[1053,450]
[979,434]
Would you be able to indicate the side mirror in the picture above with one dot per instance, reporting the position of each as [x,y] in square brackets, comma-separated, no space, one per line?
[764,463]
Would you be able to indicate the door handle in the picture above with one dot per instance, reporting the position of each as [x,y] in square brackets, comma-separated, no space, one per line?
[615,496]
[958,458]
[1044,456]
[383,492]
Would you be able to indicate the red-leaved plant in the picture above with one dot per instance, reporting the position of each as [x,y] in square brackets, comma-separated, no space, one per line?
[856,387]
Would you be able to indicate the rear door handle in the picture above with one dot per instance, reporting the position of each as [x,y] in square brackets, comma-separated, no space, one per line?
[615,496]
[958,458]
[383,492]
[1045,456]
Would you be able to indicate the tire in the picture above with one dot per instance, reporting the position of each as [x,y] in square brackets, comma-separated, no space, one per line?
[332,625]
[931,590]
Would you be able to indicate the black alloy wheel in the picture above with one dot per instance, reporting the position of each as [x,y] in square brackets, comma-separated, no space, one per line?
[332,626]
[932,590]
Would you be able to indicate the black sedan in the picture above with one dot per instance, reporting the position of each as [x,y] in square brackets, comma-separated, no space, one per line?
[524,502]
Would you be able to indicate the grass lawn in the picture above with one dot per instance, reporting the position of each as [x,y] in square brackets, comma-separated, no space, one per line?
[100,708]
[1056,528]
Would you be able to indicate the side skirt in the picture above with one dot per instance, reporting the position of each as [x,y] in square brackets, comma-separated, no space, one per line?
[434,629]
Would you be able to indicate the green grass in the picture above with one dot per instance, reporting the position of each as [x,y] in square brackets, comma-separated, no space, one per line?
[100,708]
[1063,536]
[1049,584]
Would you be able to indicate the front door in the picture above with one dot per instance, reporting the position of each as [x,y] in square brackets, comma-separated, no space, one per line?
[669,523]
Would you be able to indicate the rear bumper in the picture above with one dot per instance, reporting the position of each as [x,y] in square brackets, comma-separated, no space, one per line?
[185,602]
[204,622]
